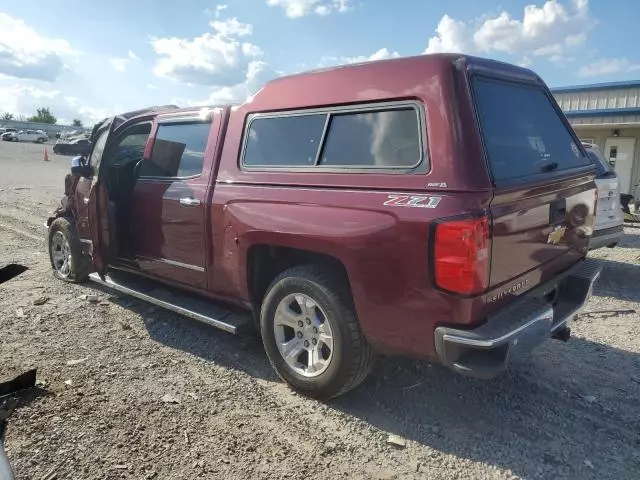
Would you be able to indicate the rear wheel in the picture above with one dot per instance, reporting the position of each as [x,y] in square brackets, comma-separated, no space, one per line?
[65,252]
[311,333]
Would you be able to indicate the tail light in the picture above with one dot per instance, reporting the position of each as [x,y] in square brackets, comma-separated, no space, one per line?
[461,255]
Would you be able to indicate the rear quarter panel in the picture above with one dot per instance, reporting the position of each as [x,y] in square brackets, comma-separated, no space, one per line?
[384,248]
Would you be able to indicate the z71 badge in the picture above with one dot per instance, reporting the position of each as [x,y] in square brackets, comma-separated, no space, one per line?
[415,201]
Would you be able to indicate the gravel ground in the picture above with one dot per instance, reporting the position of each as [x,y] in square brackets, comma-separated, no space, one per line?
[127,390]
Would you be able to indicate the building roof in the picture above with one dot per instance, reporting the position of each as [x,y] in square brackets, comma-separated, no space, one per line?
[602,112]
[597,86]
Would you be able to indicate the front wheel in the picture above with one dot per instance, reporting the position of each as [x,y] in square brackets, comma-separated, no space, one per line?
[65,252]
[311,333]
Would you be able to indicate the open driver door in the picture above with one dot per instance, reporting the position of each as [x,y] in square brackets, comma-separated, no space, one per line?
[106,138]
[98,202]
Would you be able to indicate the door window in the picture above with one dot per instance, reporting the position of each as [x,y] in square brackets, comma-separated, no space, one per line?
[178,150]
[130,147]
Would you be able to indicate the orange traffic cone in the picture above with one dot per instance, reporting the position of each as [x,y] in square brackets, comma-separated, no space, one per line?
[46,155]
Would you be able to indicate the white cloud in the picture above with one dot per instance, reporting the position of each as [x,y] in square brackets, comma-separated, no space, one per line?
[301,8]
[24,53]
[231,27]
[218,59]
[546,31]
[452,37]
[120,64]
[608,66]
[525,62]
[220,9]
[258,74]
[23,100]
[382,54]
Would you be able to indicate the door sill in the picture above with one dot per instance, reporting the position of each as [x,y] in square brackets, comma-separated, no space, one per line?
[156,293]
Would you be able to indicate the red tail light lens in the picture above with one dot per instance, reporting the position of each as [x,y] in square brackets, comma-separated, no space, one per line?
[462,255]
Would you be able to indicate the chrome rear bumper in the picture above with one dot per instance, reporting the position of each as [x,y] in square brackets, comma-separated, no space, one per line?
[485,351]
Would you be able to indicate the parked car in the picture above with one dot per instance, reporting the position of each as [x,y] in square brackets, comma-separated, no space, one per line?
[26,136]
[6,133]
[609,226]
[344,217]
[77,146]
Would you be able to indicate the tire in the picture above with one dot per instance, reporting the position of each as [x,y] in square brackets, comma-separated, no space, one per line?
[76,269]
[350,358]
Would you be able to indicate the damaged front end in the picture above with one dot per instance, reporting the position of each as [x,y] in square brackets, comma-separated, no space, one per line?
[65,207]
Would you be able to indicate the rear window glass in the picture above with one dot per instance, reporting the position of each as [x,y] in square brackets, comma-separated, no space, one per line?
[522,131]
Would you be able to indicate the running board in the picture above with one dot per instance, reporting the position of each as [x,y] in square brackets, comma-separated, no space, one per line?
[205,311]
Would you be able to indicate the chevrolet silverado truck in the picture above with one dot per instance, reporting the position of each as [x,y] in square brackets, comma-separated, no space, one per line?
[436,207]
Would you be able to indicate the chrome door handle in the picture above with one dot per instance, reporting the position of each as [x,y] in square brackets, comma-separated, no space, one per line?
[189,201]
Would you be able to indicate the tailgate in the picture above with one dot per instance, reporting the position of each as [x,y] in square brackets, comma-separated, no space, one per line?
[546,227]
[544,202]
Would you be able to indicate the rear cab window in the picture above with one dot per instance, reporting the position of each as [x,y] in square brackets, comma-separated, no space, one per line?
[523,134]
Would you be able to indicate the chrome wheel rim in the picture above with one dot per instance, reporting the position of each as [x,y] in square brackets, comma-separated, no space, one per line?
[61,254]
[303,335]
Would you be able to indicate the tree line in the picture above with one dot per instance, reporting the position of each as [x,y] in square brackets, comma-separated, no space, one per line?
[43,115]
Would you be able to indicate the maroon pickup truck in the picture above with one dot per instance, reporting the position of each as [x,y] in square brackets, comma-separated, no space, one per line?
[437,207]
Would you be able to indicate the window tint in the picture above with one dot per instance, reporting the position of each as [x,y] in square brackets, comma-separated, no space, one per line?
[178,150]
[291,140]
[388,138]
[522,131]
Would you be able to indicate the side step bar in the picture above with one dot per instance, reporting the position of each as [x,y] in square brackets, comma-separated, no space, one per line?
[205,311]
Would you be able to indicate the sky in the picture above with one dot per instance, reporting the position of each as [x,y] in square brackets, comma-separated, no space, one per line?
[88,60]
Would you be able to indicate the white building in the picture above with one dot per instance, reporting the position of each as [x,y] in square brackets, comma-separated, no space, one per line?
[608,115]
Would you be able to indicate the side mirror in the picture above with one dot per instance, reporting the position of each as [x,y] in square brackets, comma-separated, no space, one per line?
[79,167]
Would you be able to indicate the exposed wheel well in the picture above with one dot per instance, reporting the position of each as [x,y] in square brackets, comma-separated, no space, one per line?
[265,262]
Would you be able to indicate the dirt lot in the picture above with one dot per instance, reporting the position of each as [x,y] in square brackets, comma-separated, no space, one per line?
[127,390]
